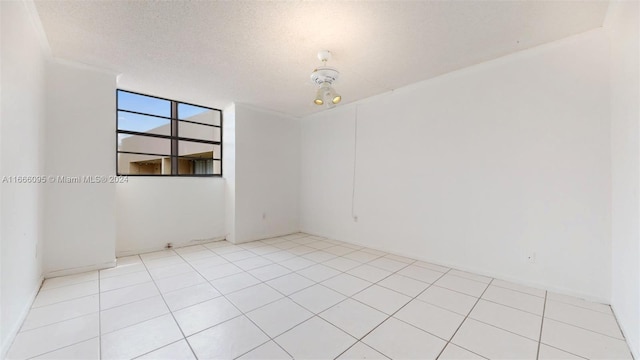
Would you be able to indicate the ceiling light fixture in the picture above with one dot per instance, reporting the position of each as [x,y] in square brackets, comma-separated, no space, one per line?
[324,77]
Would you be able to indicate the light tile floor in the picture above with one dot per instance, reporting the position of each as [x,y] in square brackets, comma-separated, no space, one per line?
[305,297]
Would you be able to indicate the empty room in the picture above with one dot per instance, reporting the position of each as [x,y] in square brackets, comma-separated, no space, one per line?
[319,179]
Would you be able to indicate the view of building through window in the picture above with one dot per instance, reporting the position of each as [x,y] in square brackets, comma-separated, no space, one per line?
[165,137]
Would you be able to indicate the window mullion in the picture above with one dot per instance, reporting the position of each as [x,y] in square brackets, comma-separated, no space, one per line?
[184,141]
[174,138]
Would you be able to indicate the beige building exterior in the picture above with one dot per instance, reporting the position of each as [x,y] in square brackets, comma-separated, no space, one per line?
[200,155]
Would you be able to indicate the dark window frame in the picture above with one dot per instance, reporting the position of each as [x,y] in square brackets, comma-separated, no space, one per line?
[174,136]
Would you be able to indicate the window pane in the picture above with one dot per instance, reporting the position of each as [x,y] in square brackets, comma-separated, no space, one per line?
[144,104]
[193,166]
[158,124]
[198,114]
[196,131]
[198,150]
[134,164]
[144,144]
[143,123]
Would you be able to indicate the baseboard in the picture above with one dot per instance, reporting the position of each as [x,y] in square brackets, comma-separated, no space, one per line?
[81,269]
[175,245]
[634,352]
[13,331]
[559,290]
[263,237]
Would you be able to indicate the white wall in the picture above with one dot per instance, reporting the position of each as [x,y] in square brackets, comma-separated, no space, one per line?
[154,211]
[622,27]
[477,168]
[326,183]
[80,223]
[229,170]
[22,106]
[267,173]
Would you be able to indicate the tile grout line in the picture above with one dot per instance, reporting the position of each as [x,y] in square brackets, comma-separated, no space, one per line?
[568,352]
[460,292]
[340,272]
[525,311]
[343,300]
[480,321]
[124,287]
[296,271]
[544,307]
[72,284]
[173,249]
[610,313]
[162,347]
[589,330]
[512,307]
[499,328]
[500,286]
[416,298]
[316,283]
[61,301]
[125,274]
[465,319]
[60,348]
[291,271]
[242,313]
[392,314]
[521,292]
[155,295]
[137,301]
[60,321]
[136,323]
[57,322]
[199,331]
[117,306]
[555,347]
[622,332]
[397,271]
[168,308]
[133,284]
[529,312]
[487,300]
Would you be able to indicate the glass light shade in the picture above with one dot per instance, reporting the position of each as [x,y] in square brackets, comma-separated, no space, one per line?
[328,93]
[319,100]
[331,94]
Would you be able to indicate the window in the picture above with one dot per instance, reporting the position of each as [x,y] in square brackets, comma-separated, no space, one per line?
[166,137]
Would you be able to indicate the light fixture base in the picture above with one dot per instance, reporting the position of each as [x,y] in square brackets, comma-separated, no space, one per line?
[324,77]
[324,55]
[324,74]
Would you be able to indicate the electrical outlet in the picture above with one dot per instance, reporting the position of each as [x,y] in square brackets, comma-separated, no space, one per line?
[264,216]
[355,218]
[531,258]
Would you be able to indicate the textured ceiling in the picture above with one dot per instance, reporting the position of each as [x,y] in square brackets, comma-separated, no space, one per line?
[262,53]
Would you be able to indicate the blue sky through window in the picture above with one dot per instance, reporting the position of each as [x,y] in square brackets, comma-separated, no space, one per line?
[185,111]
[153,106]
[143,104]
